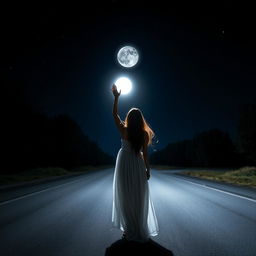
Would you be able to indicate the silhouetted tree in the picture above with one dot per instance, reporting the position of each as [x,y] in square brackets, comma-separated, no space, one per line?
[210,148]
[246,132]
[214,148]
[31,139]
[72,146]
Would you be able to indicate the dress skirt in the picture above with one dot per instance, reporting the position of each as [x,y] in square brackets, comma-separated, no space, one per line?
[132,210]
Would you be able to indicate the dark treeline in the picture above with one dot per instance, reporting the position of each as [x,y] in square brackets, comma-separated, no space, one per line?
[30,139]
[214,148]
[246,131]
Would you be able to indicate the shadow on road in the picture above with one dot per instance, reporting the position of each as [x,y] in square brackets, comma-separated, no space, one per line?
[124,247]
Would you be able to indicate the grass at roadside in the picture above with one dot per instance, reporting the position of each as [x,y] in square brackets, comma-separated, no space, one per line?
[39,173]
[166,167]
[242,176]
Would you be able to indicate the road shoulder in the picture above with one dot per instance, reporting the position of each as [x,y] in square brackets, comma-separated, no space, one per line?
[241,190]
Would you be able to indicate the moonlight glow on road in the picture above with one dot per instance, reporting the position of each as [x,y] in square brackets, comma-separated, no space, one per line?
[124,84]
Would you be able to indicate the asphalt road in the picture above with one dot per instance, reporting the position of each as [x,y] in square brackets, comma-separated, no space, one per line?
[73,217]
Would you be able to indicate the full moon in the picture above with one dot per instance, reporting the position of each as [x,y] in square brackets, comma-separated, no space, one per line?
[127,56]
[124,84]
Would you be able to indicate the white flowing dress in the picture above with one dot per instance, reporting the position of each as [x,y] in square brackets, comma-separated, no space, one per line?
[132,210]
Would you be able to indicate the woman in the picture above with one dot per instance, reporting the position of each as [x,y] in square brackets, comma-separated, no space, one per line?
[133,211]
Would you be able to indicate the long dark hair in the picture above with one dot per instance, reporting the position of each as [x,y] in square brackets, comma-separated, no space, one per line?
[137,129]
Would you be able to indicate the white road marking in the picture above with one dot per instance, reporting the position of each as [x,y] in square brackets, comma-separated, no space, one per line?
[222,191]
[37,192]
[51,188]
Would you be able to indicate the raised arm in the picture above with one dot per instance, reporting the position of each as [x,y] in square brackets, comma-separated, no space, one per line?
[118,121]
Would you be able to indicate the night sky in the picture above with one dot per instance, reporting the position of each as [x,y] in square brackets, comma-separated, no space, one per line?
[195,68]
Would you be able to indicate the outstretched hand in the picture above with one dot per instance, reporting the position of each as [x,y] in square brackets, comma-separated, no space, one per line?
[115,92]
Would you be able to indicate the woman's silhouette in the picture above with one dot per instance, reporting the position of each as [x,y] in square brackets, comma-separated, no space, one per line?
[133,211]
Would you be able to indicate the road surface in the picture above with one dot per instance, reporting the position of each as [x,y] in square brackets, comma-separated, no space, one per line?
[73,216]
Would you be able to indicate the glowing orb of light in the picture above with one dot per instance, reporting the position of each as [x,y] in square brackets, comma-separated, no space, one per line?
[124,84]
[127,56]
